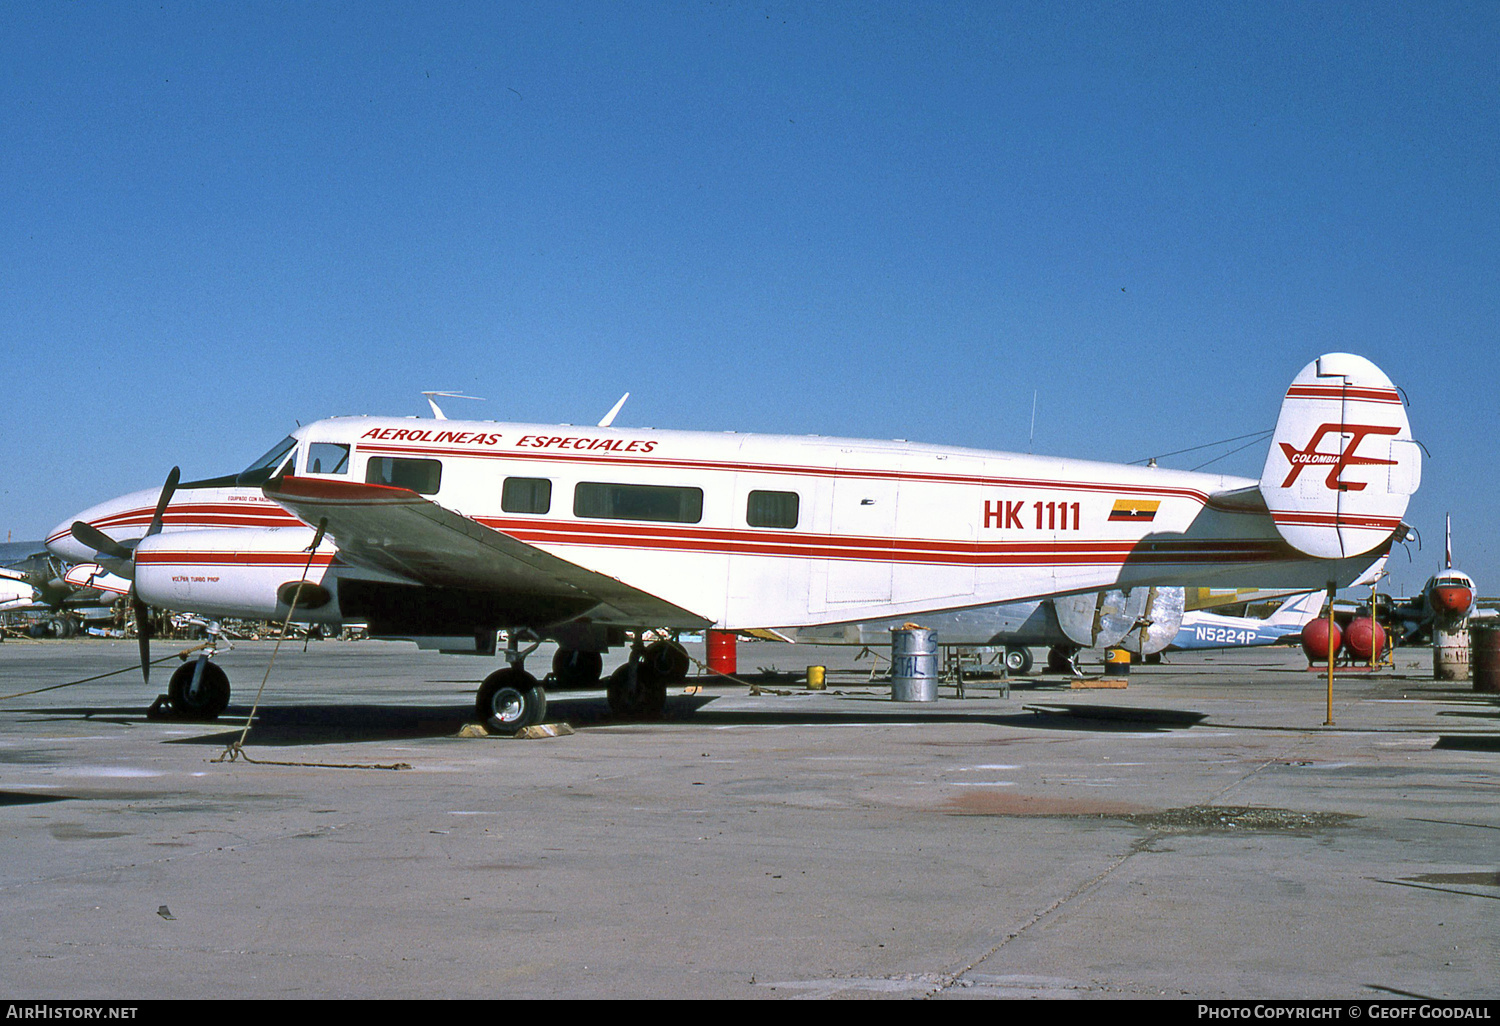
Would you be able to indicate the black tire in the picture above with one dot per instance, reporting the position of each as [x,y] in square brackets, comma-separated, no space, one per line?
[575,669]
[510,700]
[1017,660]
[207,700]
[667,660]
[635,692]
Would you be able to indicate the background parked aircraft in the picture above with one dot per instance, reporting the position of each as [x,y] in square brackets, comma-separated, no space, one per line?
[56,597]
[1063,624]
[1202,629]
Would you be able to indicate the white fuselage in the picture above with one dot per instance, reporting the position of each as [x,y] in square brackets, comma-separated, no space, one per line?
[752,530]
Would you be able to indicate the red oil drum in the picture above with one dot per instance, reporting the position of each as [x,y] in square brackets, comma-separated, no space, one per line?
[721,654]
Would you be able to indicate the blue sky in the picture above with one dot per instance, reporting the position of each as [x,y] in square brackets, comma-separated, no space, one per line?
[884,220]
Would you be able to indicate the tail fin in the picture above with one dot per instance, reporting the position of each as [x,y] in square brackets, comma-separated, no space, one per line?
[1343,463]
[1299,609]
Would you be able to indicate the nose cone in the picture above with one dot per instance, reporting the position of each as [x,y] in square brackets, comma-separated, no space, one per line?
[1452,593]
[62,544]
[124,519]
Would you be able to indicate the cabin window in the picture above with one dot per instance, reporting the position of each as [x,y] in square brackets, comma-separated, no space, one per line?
[526,495]
[418,475]
[327,458]
[771,509]
[638,502]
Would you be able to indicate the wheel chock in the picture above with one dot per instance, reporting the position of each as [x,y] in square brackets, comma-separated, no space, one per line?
[544,730]
[527,733]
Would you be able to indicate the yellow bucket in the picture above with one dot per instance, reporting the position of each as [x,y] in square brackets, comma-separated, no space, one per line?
[815,678]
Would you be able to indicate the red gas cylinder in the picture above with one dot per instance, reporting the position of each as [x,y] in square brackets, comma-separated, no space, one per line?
[1316,643]
[1365,639]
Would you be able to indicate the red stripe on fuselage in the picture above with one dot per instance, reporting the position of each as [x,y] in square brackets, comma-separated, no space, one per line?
[809,547]
[789,470]
[200,557]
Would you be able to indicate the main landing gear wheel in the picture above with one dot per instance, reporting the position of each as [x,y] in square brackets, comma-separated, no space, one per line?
[1017,660]
[510,700]
[667,660]
[575,669]
[635,691]
[200,699]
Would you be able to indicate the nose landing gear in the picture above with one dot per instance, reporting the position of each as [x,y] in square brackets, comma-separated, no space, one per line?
[511,699]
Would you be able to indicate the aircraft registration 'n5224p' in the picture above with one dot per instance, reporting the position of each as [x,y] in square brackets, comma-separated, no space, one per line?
[456,530]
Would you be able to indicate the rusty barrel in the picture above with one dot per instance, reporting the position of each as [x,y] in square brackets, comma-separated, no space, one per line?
[1450,654]
[914,665]
[1484,655]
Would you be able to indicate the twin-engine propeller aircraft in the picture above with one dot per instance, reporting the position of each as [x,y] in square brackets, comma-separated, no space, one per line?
[457,530]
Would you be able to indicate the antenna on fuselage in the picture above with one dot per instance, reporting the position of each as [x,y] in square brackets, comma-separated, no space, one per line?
[439,414]
[609,418]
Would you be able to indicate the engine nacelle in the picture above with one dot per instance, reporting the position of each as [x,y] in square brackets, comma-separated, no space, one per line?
[1142,620]
[245,573]
[1098,619]
[16,594]
[1159,620]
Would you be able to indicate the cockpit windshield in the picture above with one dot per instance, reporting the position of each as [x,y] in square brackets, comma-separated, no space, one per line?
[272,459]
[257,473]
[261,470]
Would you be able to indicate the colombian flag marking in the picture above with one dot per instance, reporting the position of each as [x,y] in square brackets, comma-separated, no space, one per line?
[1134,509]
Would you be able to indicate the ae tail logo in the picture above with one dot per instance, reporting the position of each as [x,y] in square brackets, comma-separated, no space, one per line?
[1336,461]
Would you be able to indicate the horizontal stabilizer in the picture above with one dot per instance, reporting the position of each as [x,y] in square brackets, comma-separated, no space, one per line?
[1343,463]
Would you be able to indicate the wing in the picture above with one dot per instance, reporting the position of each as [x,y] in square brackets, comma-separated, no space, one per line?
[399,532]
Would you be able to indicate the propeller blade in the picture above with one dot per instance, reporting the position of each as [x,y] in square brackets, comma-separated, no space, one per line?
[97,540]
[142,634]
[142,611]
[161,504]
